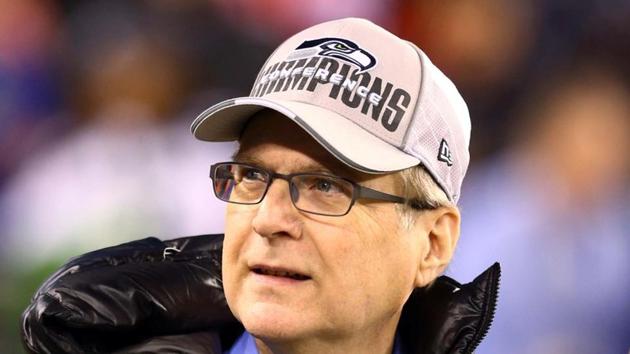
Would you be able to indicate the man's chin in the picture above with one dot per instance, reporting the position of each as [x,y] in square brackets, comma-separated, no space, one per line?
[269,321]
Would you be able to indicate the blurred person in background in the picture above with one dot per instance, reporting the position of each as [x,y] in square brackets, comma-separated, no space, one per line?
[31,117]
[31,106]
[555,209]
[123,170]
[128,72]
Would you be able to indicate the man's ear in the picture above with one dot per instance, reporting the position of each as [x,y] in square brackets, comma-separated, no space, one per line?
[443,226]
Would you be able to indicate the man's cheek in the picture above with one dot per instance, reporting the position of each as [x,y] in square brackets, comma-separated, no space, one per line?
[240,211]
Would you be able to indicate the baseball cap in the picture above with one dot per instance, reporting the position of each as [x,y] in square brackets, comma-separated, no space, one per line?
[372,99]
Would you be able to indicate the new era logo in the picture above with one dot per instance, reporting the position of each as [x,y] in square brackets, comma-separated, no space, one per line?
[445,153]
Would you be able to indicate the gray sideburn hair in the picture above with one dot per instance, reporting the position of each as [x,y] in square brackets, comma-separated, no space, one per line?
[421,189]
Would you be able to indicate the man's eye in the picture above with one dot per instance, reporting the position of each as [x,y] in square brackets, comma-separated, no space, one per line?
[326,186]
[253,175]
[323,186]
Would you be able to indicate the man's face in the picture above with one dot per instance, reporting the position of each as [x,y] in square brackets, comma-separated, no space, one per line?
[359,268]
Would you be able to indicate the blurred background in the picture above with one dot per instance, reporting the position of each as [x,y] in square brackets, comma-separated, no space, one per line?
[96,98]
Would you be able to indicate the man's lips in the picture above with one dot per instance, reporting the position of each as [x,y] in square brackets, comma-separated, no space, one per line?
[279,272]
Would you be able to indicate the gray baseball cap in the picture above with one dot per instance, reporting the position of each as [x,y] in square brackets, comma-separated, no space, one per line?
[373,100]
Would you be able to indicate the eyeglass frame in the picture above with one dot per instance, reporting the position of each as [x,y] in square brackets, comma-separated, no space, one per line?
[358,191]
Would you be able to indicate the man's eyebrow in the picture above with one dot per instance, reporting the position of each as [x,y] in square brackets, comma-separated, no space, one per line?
[303,167]
[246,158]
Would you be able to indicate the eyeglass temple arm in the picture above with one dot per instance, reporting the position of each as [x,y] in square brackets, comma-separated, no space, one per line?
[368,193]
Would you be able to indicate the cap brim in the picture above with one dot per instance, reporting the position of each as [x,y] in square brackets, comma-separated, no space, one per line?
[347,141]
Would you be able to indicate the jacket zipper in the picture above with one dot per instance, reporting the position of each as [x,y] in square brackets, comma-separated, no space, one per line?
[489,312]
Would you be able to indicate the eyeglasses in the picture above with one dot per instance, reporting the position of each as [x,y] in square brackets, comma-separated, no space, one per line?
[314,193]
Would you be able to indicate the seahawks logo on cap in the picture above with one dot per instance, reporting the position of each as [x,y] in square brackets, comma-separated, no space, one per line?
[336,48]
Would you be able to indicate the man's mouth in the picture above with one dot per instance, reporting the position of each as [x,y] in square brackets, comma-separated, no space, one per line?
[279,273]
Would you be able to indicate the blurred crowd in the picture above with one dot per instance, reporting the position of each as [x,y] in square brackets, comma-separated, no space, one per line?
[96,98]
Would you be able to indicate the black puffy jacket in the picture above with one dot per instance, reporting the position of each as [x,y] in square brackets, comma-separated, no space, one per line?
[152,296]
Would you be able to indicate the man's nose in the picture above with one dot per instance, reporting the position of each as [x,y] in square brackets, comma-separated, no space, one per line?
[276,216]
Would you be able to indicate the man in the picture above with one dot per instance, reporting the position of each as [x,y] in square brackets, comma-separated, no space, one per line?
[342,214]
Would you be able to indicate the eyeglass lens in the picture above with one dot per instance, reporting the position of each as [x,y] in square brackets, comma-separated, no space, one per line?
[314,193]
